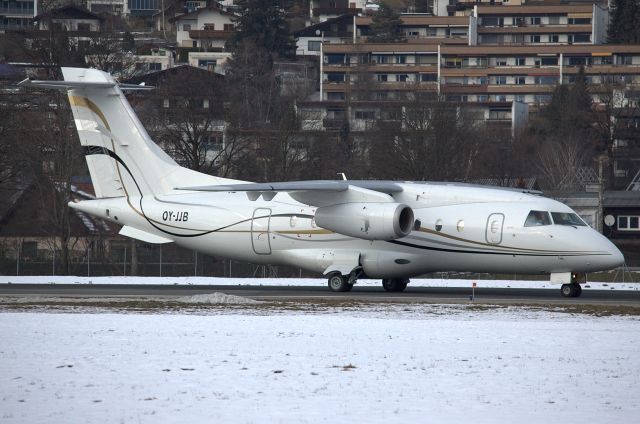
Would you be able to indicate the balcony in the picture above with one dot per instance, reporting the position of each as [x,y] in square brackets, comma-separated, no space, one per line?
[333,123]
[201,34]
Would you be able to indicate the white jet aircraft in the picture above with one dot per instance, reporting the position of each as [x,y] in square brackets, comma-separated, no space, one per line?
[342,229]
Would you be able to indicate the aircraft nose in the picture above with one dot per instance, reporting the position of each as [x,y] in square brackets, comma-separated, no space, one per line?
[616,258]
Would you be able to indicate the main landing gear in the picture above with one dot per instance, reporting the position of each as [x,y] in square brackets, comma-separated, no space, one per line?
[395,284]
[343,283]
[340,283]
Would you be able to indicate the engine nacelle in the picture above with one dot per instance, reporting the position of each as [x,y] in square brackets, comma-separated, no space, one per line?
[371,221]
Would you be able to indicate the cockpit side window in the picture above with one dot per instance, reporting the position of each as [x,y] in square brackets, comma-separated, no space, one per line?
[537,218]
[565,218]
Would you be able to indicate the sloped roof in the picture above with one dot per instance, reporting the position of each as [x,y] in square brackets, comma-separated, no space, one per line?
[68,12]
[197,12]
[155,78]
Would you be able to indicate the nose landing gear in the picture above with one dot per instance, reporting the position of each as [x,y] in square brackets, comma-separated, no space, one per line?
[571,290]
[574,289]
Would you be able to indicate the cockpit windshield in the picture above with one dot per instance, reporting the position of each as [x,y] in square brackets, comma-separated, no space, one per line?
[564,218]
[537,218]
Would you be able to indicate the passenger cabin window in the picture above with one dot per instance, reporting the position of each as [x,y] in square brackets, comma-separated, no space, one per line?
[564,218]
[537,218]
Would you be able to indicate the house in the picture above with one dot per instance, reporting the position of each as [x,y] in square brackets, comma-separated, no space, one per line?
[69,18]
[206,28]
[331,31]
[29,237]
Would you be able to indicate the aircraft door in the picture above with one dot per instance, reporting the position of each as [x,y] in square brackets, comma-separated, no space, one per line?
[494,228]
[260,231]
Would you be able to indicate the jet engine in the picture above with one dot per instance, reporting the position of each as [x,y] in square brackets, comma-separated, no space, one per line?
[371,221]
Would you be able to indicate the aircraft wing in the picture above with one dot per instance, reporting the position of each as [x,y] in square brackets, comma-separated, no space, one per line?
[314,192]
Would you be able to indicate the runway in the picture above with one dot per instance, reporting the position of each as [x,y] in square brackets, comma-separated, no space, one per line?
[363,294]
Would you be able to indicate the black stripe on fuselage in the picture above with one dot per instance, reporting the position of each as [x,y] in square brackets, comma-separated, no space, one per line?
[475,252]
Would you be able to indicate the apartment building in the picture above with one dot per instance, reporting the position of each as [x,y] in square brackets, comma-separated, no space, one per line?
[418,28]
[17,14]
[541,25]
[525,74]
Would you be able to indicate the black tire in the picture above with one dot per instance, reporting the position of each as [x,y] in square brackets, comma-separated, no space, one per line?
[578,290]
[394,284]
[568,290]
[339,283]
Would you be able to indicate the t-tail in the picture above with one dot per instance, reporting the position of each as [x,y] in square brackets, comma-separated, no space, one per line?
[123,160]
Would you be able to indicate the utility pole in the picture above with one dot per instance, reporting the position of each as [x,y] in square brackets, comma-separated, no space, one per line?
[601,159]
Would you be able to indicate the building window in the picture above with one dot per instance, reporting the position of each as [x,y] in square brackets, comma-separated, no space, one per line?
[549,61]
[335,77]
[165,103]
[313,46]
[554,38]
[429,77]
[534,39]
[401,59]
[382,77]
[228,27]
[520,61]
[334,59]
[402,77]
[579,21]
[501,80]
[155,66]
[580,38]
[520,80]
[379,58]
[186,27]
[205,103]
[534,20]
[365,114]
[628,223]
[335,95]
[501,62]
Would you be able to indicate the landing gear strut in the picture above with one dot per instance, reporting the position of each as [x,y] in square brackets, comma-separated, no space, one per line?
[571,290]
[395,284]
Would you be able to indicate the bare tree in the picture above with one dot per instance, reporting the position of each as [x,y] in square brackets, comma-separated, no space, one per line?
[561,162]
[435,141]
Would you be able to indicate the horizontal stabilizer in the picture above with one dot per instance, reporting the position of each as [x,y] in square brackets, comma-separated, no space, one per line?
[69,85]
[143,235]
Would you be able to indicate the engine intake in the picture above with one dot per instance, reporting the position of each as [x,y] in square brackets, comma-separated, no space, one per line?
[370,221]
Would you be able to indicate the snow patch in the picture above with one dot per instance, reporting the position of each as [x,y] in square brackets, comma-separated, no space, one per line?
[217,298]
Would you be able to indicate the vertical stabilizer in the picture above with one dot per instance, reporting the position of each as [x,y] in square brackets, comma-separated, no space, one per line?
[122,158]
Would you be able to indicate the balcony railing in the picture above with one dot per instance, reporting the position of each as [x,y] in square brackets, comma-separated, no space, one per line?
[209,33]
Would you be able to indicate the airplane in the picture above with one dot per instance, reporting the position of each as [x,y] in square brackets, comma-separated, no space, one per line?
[343,229]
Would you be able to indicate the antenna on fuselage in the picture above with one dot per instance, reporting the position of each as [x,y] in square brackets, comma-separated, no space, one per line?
[344,177]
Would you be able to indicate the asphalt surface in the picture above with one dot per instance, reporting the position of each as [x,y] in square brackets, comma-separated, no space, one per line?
[369,294]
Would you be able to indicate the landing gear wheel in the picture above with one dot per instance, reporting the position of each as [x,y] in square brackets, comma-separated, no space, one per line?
[339,283]
[571,290]
[394,284]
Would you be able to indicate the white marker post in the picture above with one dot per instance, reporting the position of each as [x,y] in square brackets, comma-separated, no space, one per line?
[473,291]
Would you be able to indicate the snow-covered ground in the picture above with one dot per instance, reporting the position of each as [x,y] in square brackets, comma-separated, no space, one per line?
[383,364]
[435,282]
